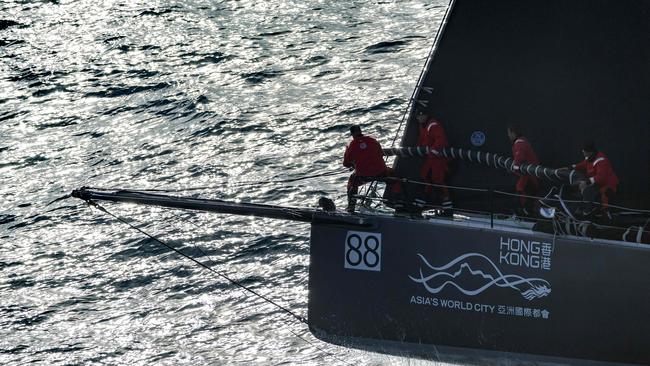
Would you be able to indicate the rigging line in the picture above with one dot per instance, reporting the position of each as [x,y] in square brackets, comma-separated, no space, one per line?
[238,184]
[294,315]
[487,213]
[234,282]
[431,206]
[427,206]
[404,180]
[420,82]
[502,193]
[622,208]
[317,347]
[410,103]
[327,174]
[198,227]
[410,181]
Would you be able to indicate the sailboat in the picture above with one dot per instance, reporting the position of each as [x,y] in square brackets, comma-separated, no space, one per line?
[485,285]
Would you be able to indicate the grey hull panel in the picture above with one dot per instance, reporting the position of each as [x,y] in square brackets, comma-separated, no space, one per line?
[416,283]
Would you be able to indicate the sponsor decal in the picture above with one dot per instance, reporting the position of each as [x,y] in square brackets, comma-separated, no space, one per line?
[525,253]
[477,266]
[477,138]
[469,306]
[471,274]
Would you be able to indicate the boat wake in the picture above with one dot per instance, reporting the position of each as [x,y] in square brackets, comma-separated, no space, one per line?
[486,276]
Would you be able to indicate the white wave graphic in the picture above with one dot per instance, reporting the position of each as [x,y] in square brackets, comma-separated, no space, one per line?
[533,287]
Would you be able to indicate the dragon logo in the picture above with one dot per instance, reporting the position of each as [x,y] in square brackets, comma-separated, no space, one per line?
[478,273]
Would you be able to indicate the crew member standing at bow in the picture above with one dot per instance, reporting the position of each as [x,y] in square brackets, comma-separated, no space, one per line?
[435,168]
[601,183]
[364,154]
[527,185]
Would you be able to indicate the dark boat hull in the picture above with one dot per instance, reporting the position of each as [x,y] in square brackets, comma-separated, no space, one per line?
[439,290]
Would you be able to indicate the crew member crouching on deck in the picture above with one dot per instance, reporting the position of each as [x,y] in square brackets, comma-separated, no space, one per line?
[527,185]
[364,154]
[601,183]
[435,168]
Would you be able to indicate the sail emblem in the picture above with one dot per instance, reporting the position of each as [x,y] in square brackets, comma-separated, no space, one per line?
[477,138]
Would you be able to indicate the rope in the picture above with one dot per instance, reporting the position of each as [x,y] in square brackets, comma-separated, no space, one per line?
[234,282]
[545,198]
[568,219]
[573,225]
[372,188]
[301,319]
[235,185]
[419,84]
[196,226]
[491,160]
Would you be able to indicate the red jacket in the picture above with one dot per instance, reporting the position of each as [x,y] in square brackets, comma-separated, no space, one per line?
[365,155]
[433,135]
[522,152]
[599,171]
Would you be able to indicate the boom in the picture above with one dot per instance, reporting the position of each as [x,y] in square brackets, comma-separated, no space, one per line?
[210,205]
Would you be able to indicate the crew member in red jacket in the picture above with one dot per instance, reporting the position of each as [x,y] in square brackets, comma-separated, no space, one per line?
[364,154]
[602,182]
[527,185]
[435,167]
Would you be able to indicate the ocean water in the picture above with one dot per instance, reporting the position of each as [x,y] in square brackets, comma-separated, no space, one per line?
[229,97]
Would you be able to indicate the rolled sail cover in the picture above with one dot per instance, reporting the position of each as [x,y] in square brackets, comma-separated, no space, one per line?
[496,161]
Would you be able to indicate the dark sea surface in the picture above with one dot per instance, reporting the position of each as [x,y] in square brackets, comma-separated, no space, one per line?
[231,96]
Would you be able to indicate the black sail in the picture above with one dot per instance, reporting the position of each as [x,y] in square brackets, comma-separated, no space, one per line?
[566,71]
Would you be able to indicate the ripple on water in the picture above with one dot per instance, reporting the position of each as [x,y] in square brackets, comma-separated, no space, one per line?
[366,110]
[10,42]
[114,92]
[139,248]
[276,33]
[154,12]
[5,219]
[92,134]
[157,95]
[62,122]
[386,47]
[33,74]
[35,319]
[259,77]
[5,23]
[17,349]
[135,282]
[195,59]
